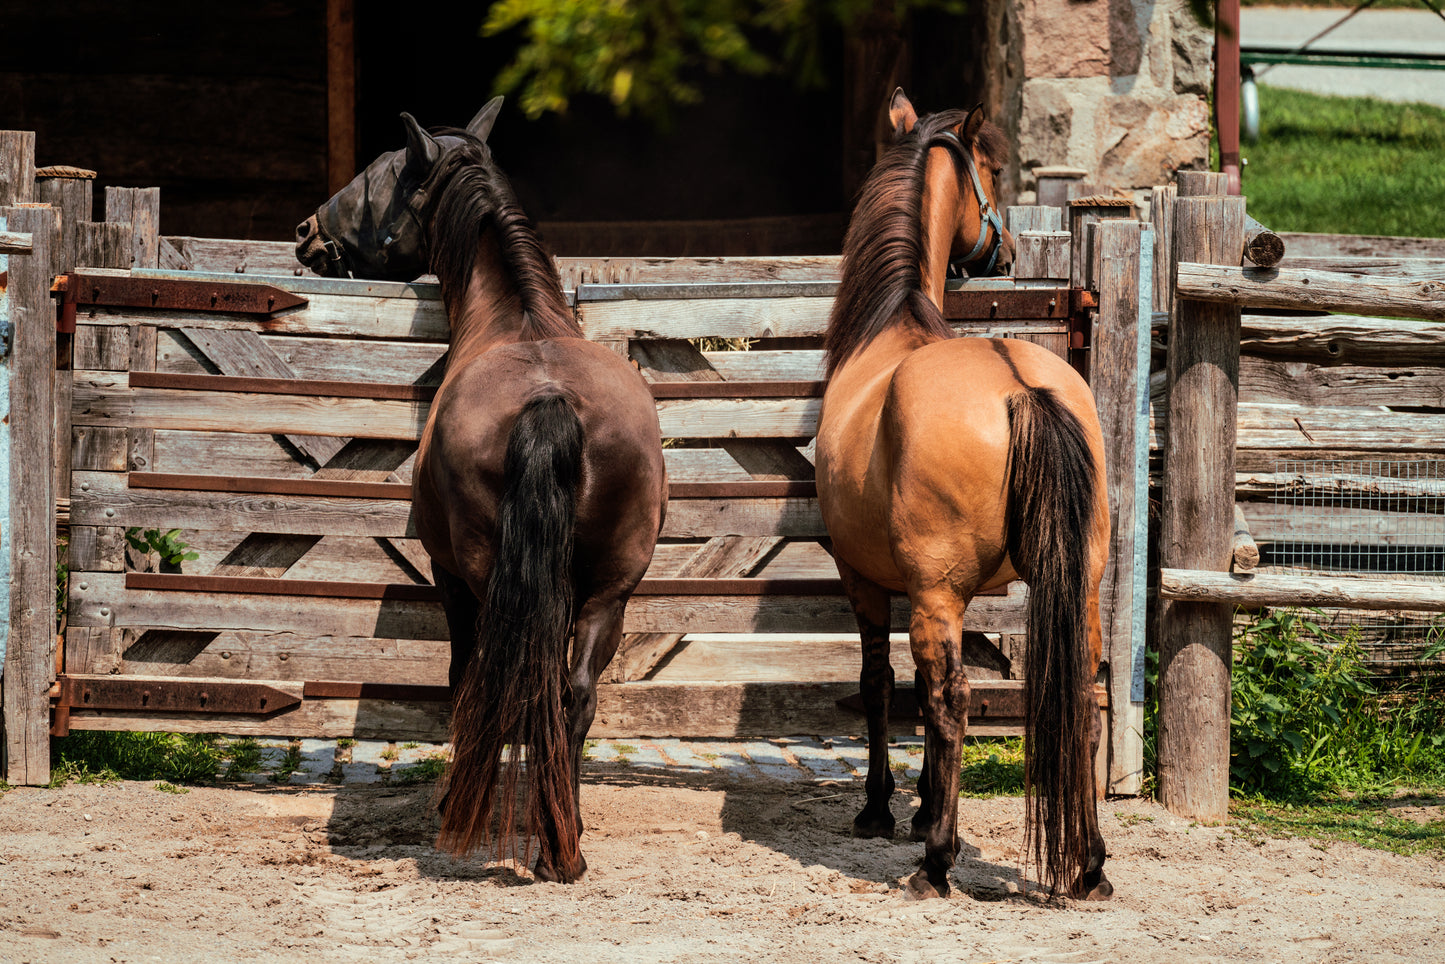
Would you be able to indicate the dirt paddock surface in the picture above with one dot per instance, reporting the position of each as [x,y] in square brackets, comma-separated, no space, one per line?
[694,868]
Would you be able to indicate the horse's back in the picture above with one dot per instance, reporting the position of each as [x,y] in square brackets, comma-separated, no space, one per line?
[622,485]
[920,475]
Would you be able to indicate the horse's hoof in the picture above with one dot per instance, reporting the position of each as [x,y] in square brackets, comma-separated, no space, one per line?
[1094,886]
[866,826]
[919,887]
[545,870]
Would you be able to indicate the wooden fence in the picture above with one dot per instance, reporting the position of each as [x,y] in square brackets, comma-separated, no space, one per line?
[279,442]
[1328,387]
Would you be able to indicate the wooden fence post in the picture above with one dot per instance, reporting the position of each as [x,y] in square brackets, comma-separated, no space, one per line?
[29,653]
[1198,518]
[1121,387]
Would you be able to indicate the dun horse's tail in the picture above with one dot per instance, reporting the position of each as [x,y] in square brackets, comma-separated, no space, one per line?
[514,694]
[1051,497]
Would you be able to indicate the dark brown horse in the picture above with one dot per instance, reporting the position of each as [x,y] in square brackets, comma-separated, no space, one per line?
[950,466]
[539,487]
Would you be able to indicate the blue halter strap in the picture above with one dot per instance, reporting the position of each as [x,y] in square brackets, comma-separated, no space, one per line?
[988,217]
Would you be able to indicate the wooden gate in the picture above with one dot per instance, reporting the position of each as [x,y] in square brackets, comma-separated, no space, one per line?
[273,418]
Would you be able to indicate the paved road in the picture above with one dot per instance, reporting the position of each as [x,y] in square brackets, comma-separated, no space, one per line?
[1413,31]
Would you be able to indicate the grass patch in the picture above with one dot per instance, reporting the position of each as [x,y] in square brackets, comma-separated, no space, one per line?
[165,787]
[98,756]
[427,770]
[992,768]
[1346,165]
[244,757]
[1365,822]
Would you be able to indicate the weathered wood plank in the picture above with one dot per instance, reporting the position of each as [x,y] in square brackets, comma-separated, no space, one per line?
[141,208]
[703,318]
[1120,373]
[1424,269]
[782,365]
[1302,383]
[1313,290]
[104,244]
[29,661]
[234,654]
[320,359]
[248,257]
[102,498]
[1303,432]
[17,169]
[106,602]
[1043,254]
[578,271]
[1304,245]
[1363,527]
[640,710]
[244,354]
[1344,340]
[104,398]
[334,315]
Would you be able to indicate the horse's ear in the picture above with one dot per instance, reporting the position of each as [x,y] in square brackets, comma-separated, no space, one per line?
[481,125]
[901,113]
[971,125]
[421,148]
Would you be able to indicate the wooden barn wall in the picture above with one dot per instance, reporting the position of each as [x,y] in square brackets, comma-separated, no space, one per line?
[222,106]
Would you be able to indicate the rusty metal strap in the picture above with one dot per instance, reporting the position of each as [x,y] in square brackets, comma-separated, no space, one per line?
[79,288]
[172,695]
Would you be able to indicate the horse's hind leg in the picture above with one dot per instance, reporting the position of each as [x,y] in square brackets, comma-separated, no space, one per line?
[870,607]
[935,636]
[463,610]
[598,634]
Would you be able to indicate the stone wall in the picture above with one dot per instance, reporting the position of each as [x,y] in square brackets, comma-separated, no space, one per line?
[1118,88]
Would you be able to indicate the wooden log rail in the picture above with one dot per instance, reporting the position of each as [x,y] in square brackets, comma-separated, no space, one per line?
[1311,290]
[1255,590]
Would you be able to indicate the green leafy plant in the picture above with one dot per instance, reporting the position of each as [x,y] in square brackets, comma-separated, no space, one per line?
[1292,694]
[167,545]
[646,56]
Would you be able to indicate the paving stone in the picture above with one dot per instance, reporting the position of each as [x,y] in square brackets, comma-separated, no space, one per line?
[370,751]
[821,761]
[771,761]
[726,757]
[360,773]
[685,757]
[409,755]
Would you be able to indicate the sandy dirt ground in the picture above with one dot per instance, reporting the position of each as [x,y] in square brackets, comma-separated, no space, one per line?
[692,868]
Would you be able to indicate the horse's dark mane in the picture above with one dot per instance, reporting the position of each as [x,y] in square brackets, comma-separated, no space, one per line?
[475,195]
[883,250]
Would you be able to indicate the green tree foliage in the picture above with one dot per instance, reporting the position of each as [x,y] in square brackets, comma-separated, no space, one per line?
[645,55]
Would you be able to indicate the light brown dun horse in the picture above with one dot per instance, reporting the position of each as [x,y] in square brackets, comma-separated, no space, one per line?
[947,467]
[539,487]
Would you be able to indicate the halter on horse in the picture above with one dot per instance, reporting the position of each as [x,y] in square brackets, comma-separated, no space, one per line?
[539,487]
[950,466]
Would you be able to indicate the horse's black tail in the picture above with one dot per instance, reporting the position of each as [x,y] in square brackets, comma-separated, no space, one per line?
[1052,482]
[514,694]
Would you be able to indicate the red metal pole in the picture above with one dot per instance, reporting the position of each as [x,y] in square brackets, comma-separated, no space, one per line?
[1226,88]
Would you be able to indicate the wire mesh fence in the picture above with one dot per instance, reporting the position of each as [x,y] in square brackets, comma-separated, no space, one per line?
[1371,519]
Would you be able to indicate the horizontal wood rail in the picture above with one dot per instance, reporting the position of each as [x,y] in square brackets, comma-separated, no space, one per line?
[349,489]
[1316,290]
[408,592]
[1281,589]
[425,393]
